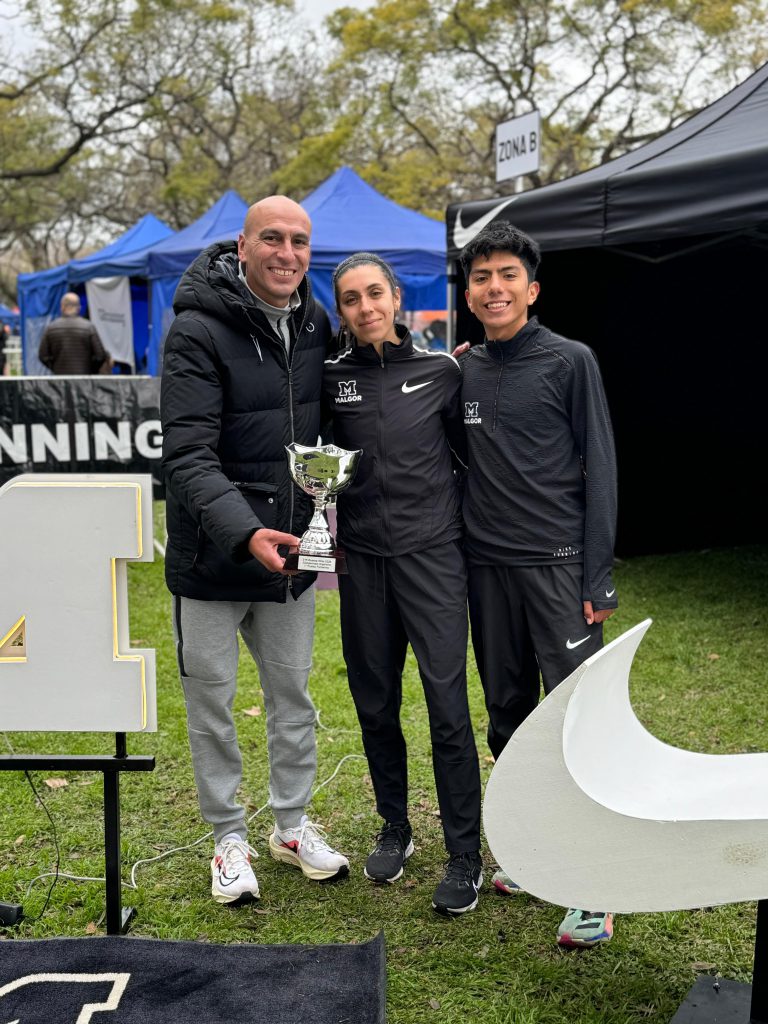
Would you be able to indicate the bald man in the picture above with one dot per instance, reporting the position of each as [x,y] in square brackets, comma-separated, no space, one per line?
[71,344]
[242,369]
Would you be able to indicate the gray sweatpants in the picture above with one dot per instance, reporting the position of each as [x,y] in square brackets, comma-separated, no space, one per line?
[279,636]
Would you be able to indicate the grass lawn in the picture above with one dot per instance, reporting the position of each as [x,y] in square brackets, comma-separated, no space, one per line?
[699,682]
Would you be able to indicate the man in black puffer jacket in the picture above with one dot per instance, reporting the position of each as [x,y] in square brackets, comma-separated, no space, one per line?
[242,370]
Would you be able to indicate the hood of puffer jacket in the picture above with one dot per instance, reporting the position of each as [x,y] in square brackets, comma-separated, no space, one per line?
[212,285]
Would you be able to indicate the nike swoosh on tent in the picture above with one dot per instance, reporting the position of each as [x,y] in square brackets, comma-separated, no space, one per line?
[462,235]
[586,808]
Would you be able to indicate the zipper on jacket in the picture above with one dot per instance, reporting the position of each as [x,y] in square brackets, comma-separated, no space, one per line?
[382,453]
[290,421]
[496,396]
[289,579]
[281,346]
[288,365]
[305,312]
[304,315]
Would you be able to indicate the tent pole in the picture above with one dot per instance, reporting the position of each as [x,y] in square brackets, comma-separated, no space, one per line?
[450,305]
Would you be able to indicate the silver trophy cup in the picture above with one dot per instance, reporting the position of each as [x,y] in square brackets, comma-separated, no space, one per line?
[322,473]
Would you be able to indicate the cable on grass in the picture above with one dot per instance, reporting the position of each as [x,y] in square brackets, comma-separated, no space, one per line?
[55,872]
[133,884]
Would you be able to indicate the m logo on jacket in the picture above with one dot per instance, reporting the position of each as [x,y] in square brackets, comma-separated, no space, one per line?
[470,412]
[348,392]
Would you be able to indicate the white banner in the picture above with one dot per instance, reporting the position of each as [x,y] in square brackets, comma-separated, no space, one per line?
[109,307]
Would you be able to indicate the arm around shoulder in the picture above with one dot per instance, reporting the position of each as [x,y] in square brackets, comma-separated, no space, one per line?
[453,417]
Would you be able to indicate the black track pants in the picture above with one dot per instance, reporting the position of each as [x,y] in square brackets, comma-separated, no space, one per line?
[525,619]
[385,604]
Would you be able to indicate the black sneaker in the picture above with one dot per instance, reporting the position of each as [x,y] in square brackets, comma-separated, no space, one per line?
[457,893]
[393,848]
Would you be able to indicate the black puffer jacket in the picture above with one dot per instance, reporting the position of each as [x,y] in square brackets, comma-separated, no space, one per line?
[231,399]
[403,410]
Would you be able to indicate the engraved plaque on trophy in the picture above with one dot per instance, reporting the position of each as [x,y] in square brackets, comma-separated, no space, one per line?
[321,472]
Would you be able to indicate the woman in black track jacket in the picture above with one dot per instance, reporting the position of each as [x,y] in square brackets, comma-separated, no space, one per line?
[399,522]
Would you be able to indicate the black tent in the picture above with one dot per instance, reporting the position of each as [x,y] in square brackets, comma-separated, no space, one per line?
[659,261]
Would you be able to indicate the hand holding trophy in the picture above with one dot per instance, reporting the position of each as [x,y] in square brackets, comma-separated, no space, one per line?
[321,472]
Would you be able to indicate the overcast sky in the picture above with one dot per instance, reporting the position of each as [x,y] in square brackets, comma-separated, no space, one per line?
[313,10]
[316,10]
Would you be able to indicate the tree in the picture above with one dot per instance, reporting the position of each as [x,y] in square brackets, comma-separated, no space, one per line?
[430,79]
[120,108]
[123,108]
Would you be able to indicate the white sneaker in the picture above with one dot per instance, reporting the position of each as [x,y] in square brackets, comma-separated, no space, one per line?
[233,877]
[305,847]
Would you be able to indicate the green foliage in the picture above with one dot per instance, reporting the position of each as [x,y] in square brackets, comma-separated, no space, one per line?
[145,105]
[500,964]
[162,105]
[605,77]
[317,157]
[412,181]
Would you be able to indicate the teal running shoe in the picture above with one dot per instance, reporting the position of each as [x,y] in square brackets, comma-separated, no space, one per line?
[504,884]
[584,928]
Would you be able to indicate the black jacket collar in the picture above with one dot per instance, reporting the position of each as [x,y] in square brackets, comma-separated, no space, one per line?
[389,351]
[507,349]
[211,284]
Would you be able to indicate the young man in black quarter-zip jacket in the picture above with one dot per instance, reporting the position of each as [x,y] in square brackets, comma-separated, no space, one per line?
[539,505]
[242,370]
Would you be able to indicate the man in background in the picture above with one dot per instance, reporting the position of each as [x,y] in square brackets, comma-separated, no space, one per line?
[71,344]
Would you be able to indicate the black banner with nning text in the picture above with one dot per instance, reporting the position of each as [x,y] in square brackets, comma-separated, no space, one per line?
[95,424]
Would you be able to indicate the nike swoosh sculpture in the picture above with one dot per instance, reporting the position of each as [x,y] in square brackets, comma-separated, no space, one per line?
[586,808]
[462,235]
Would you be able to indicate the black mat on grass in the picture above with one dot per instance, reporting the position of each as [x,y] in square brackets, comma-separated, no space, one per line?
[147,981]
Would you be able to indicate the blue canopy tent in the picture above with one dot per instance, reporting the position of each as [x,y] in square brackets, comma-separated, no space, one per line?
[169,259]
[8,316]
[349,215]
[40,293]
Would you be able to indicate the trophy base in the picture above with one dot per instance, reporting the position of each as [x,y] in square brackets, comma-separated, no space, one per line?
[295,560]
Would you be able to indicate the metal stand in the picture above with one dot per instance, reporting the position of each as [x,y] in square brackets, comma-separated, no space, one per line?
[118,917]
[716,1001]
